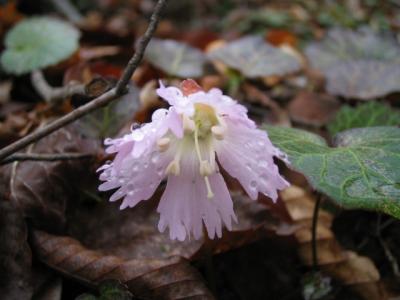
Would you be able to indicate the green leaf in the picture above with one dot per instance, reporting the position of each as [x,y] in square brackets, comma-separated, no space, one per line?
[363,171]
[86,297]
[253,57]
[358,64]
[175,58]
[109,290]
[364,115]
[113,290]
[38,42]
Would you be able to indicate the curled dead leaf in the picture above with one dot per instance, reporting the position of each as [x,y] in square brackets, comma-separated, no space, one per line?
[169,278]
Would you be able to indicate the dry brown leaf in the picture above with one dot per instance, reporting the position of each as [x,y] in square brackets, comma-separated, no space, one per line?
[313,109]
[133,234]
[41,190]
[15,255]
[169,278]
[351,269]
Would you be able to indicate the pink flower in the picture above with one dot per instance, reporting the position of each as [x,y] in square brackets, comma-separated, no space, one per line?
[183,144]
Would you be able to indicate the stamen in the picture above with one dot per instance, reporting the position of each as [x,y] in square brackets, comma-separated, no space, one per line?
[188,124]
[205,167]
[210,193]
[196,144]
[212,158]
[163,144]
[173,168]
[218,131]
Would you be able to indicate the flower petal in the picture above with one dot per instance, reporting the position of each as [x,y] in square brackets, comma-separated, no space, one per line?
[184,206]
[137,178]
[247,154]
[147,135]
[175,97]
[171,94]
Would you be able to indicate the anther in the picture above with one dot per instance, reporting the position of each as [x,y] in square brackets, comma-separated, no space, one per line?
[205,168]
[163,144]
[210,193]
[218,132]
[188,124]
[173,168]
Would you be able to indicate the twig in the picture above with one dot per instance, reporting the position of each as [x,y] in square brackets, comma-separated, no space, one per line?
[314,232]
[51,94]
[68,10]
[44,157]
[135,60]
[99,101]
[389,255]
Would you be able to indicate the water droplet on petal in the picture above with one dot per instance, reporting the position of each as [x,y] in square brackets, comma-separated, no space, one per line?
[248,165]
[261,143]
[264,178]
[263,164]
[253,184]
[154,157]
[159,113]
[135,167]
[108,141]
[137,135]
[135,126]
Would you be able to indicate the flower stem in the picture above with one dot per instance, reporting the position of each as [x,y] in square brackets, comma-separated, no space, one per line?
[314,232]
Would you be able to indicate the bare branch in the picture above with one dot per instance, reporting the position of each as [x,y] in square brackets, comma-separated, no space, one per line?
[51,94]
[135,60]
[100,101]
[44,157]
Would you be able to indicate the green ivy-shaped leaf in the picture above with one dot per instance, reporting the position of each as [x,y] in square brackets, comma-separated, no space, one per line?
[363,171]
[254,57]
[368,114]
[175,58]
[38,42]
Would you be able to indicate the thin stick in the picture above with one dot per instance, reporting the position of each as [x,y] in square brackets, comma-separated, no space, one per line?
[389,255]
[100,101]
[314,232]
[135,60]
[44,157]
[52,94]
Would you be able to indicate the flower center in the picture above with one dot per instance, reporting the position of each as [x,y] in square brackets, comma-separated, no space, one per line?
[204,119]
[200,128]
